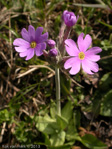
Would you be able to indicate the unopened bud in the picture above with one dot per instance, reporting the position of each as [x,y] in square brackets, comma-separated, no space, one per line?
[69,18]
[53,52]
[51,43]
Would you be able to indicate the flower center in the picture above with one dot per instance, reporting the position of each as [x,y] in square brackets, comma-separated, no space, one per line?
[33,44]
[81,55]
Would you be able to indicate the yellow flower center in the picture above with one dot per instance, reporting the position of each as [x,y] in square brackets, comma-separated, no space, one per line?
[33,44]
[81,55]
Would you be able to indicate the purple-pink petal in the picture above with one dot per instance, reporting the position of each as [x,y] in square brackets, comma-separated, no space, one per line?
[31,32]
[38,32]
[38,50]
[73,20]
[75,67]
[65,11]
[43,46]
[42,38]
[89,66]
[84,44]
[74,64]
[20,42]
[93,58]
[25,35]
[30,54]
[71,47]
[94,67]
[23,54]
[77,18]
[22,48]
[94,50]
[69,63]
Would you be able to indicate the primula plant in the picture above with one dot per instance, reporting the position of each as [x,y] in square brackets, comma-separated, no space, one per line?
[59,126]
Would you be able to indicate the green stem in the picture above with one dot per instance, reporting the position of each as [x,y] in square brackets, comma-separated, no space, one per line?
[57,80]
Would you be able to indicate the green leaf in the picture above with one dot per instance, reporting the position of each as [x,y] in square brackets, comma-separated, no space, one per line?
[78,28]
[65,85]
[61,122]
[71,133]
[106,81]
[58,138]
[106,105]
[106,44]
[12,31]
[60,147]
[67,111]
[87,29]
[46,124]
[92,5]
[92,142]
[20,132]
[105,24]
[53,110]
[47,140]
[4,115]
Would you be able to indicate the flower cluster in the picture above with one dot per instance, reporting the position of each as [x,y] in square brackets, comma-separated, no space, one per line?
[33,42]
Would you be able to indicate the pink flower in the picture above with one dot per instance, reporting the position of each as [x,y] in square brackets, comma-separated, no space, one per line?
[80,56]
[33,42]
[69,18]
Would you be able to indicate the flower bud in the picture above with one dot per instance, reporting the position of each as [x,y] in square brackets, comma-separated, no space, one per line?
[69,18]
[51,43]
[53,52]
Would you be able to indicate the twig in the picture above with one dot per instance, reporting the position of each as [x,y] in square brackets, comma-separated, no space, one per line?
[48,76]
[10,40]
[105,57]
[8,82]
[4,107]
[2,132]
[5,58]
[72,79]
[35,67]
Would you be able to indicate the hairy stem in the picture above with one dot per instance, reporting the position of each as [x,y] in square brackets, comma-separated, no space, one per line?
[65,36]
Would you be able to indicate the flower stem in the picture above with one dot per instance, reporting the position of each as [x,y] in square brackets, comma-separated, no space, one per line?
[67,32]
[57,80]
[62,40]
